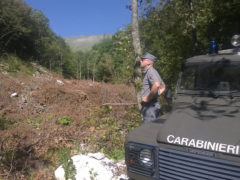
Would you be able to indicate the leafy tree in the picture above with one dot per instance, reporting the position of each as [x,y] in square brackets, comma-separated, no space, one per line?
[123,55]
[105,68]
[171,30]
[26,33]
[13,17]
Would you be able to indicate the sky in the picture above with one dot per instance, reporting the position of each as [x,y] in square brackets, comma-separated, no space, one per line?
[84,17]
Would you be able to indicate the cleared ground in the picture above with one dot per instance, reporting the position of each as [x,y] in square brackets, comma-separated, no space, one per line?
[49,113]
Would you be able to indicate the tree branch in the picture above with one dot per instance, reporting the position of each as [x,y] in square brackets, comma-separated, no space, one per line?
[119,104]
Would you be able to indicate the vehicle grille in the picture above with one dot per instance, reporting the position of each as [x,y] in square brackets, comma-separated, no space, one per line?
[181,165]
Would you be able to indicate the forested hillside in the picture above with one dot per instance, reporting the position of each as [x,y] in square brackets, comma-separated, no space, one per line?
[171,30]
[25,32]
[85,43]
[52,99]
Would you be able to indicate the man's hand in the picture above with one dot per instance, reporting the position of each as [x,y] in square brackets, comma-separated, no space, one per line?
[161,88]
[154,90]
[144,99]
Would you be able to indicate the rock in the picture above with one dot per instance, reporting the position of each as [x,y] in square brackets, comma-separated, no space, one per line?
[14,94]
[92,166]
[36,74]
[59,82]
[5,73]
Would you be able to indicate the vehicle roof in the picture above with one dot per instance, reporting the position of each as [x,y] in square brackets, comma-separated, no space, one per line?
[225,54]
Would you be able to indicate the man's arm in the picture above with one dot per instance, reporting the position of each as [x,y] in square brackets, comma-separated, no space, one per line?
[155,88]
[161,88]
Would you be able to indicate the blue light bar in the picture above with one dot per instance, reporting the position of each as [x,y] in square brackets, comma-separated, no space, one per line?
[213,47]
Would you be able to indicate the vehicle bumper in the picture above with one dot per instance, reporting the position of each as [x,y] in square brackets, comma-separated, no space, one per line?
[134,176]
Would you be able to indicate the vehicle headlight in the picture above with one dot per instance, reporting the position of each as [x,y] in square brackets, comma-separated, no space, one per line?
[140,158]
[146,157]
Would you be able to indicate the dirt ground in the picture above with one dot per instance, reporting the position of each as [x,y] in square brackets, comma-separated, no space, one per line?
[29,119]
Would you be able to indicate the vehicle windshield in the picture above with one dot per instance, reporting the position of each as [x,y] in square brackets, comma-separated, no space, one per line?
[218,76]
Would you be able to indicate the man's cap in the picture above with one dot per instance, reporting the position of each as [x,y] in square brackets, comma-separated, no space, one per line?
[149,56]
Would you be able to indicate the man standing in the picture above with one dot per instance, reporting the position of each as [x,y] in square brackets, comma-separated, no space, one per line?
[152,87]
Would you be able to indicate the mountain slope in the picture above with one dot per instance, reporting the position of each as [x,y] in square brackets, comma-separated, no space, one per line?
[85,43]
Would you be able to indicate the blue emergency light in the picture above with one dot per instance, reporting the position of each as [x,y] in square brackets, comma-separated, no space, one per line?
[213,47]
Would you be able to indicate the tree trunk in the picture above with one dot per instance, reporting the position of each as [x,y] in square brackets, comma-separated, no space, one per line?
[137,50]
[60,63]
[80,72]
[93,71]
[87,71]
[194,29]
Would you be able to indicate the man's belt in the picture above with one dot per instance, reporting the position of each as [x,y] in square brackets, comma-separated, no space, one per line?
[148,103]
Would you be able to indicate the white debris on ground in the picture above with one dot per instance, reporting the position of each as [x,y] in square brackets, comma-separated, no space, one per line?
[59,82]
[94,166]
[14,94]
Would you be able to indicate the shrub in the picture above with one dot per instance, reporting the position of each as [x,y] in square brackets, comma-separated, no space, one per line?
[4,123]
[67,164]
[65,121]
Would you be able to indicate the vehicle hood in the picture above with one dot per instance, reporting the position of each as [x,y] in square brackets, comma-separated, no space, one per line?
[206,120]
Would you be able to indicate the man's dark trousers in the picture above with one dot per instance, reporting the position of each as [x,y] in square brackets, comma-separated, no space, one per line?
[150,111]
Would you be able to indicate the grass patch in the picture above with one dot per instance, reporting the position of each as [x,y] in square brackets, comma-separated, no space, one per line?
[15,66]
[38,120]
[4,123]
[108,133]
[35,122]
[67,164]
[61,156]
[117,154]
[65,121]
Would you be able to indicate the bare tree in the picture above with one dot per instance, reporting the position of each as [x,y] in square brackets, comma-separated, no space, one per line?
[192,23]
[194,29]
[137,50]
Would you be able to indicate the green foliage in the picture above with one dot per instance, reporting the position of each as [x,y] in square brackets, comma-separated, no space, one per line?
[111,60]
[36,122]
[171,30]
[104,69]
[85,43]
[65,121]
[117,154]
[132,119]
[176,30]
[107,109]
[138,85]
[15,65]
[111,132]
[4,123]
[26,33]
[67,164]
[93,174]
